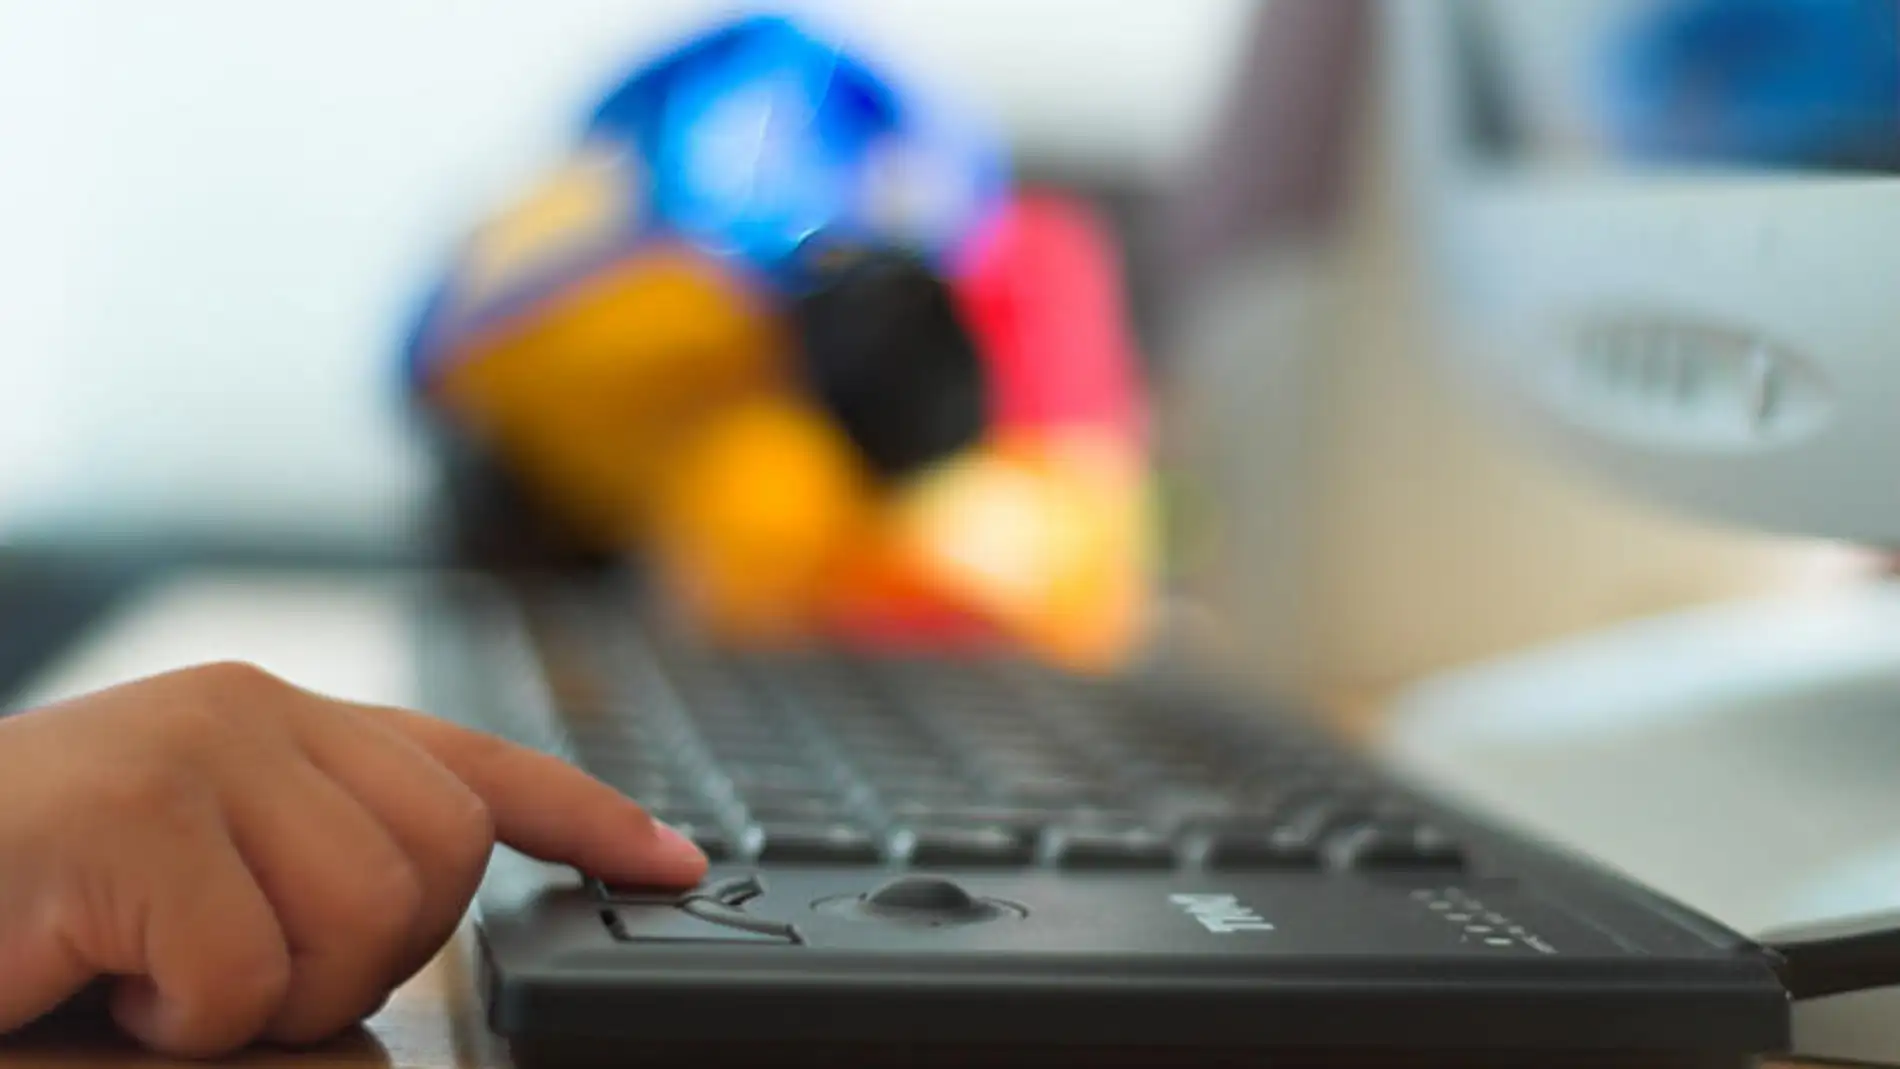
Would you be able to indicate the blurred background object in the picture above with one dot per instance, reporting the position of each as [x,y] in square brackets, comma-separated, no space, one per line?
[1776,82]
[787,333]
[1355,514]
[232,209]
[1654,238]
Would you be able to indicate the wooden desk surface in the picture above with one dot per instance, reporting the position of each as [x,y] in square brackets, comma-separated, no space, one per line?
[432,1022]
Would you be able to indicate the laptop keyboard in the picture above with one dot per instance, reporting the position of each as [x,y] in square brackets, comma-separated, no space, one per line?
[841,760]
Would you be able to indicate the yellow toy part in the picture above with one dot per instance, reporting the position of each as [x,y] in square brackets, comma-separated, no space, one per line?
[591,394]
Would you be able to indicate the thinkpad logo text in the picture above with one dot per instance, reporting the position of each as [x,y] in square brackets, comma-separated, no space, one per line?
[1221,914]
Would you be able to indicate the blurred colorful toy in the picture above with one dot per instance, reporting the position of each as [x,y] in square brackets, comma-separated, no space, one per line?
[785,332]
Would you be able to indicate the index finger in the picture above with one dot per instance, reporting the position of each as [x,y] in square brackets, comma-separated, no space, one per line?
[548,809]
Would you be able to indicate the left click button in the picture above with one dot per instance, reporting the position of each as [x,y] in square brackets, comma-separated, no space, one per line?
[696,921]
[635,896]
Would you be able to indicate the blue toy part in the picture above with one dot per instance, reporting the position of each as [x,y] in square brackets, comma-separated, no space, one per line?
[760,145]
[421,345]
[763,140]
[1778,82]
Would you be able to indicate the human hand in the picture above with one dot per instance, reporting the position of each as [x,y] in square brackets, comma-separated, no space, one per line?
[253,860]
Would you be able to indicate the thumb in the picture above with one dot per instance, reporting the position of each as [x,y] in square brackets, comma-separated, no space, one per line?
[548,809]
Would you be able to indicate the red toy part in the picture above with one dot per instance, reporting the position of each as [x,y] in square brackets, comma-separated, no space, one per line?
[1041,290]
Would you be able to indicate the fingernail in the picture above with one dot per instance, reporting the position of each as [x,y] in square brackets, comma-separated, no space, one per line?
[675,845]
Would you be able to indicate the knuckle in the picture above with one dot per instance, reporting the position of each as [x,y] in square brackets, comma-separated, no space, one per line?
[209,700]
[224,1008]
[227,708]
[471,832]
[90,914]
[237,678]
[385,899]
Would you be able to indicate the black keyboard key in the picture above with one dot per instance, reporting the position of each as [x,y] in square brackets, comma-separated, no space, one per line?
[740,753]
[1397,810]
[819,844]
[1311,820]
[684,811]
[771,776]
[781,769]
[807,809]
[1018,747]
[643,785]
[784,791]
[1125,848]
[619,755]
[971,845]
[1177,807]
[1395,845]
[626,741]
[1107,815]
[1275,848]
[1284,793]
[1057,793]
[1029,820]
[944,790]
[895,753]
[1185,775]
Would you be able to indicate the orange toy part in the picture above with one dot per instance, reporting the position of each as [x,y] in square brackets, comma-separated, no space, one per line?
[755,518]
